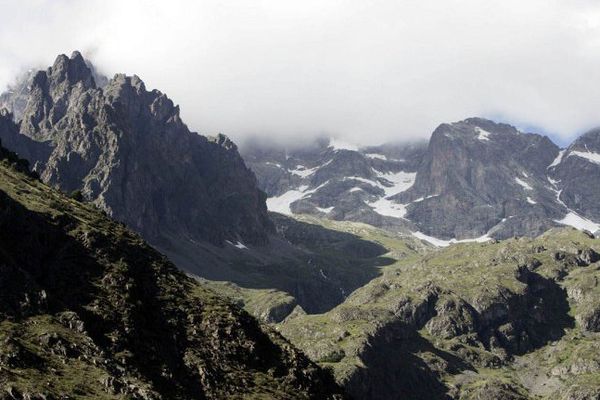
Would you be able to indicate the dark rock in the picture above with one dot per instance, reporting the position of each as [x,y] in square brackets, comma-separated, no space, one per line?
[128,152]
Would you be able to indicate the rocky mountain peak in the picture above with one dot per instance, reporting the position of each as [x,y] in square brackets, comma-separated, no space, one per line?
[62,76]
[223,141]
[73,70]
[589,141]
[129,95]
[129,152]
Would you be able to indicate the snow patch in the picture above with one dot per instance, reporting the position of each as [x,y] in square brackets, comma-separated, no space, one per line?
[558,159]
[355,189]
[302,171]
[361,179]
[445,243]
[376,156]
[525,185]
[531,201]
[388,208]
[401,181]
[420,199]
[325,210]
[483,135]
[281,203]
[588,155]
[239,244]
[575,220]
[338,144]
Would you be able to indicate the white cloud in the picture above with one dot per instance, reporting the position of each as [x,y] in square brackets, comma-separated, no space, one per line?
[366,71]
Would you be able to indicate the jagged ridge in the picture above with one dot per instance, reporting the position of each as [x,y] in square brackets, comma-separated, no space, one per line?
[129,152]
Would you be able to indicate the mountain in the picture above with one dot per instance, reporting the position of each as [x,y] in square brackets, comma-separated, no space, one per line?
[327,178]
[88,310]
[516,319]
[576,172]
[125,150]
[128,151]
[481,178]
[474,180]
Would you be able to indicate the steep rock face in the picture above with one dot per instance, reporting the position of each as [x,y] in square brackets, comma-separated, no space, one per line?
[477,175]
[577,173]
[88,310]
[129,152]
[15,98]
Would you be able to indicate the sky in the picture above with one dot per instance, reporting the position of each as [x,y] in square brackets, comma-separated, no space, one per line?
[364,71]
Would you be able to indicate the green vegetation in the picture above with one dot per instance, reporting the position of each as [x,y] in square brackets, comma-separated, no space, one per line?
[513,319]
[89,310]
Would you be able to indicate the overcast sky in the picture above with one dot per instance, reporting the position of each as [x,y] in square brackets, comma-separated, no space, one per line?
[367,71]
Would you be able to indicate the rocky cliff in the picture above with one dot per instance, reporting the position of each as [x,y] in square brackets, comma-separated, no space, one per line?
[481,178]
[577,173]
[128,151]
[88,310]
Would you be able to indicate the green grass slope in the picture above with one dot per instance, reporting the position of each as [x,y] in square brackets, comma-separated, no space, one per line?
[89,310]
[502,320]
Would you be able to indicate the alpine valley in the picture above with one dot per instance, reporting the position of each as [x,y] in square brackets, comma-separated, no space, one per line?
[141,260]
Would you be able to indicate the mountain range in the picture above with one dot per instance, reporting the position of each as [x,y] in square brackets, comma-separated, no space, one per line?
[139,259]
[474,180]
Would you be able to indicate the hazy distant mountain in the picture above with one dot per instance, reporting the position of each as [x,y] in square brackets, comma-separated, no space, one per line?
[476,179]
[335,180]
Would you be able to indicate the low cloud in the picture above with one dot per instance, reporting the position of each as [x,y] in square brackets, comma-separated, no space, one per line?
[365,71]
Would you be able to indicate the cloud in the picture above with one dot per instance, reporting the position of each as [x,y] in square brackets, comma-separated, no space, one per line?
[365,71]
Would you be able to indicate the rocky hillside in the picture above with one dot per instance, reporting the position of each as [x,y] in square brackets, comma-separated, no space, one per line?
[517,319]
[127,150]
[89,310]
[475,180]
